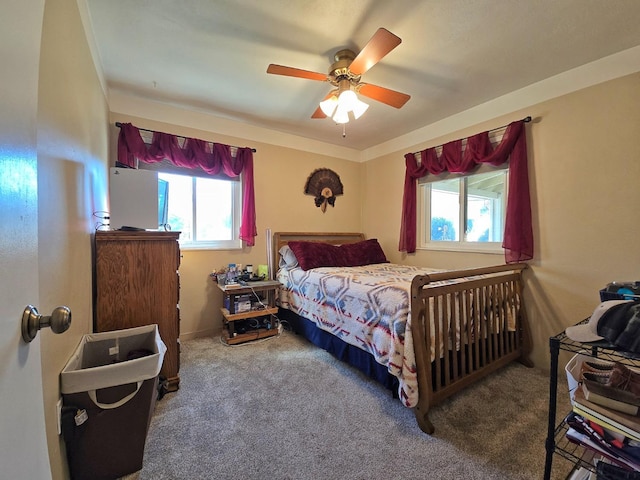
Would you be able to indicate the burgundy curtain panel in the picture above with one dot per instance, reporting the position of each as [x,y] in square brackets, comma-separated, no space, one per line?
[195,153]
[518,233]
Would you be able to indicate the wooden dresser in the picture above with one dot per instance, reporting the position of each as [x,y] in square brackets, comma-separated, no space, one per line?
[136,282]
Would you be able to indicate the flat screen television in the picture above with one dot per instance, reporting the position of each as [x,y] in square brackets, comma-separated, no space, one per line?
[163,204]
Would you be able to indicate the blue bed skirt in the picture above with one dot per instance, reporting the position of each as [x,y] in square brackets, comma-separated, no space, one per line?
[354,356]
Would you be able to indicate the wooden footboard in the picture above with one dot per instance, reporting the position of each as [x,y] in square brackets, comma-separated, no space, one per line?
[481,327]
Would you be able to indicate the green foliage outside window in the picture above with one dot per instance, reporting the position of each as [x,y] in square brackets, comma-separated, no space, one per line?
[442,229]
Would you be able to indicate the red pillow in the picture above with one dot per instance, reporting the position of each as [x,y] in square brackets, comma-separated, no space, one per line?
[363,253]
[317,254]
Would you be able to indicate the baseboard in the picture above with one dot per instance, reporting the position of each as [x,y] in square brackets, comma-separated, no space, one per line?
[209,332]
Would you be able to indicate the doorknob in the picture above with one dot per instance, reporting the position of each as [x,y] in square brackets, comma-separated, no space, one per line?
[32,321]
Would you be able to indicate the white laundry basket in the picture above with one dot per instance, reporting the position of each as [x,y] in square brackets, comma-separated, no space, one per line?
[109,389]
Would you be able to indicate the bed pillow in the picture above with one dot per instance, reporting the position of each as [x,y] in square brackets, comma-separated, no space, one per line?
[363,253]
[317,254]
[287,258]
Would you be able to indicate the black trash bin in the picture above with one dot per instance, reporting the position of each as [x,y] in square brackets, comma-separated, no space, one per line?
[109,390]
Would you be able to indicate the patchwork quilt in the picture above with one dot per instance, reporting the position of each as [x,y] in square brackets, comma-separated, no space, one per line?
[368,307]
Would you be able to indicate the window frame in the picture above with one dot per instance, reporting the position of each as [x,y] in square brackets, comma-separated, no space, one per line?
[423,212]
[165,166]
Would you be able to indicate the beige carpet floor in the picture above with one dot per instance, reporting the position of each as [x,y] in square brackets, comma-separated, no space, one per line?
[284,409]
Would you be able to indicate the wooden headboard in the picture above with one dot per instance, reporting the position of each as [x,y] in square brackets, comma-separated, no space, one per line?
[283,238]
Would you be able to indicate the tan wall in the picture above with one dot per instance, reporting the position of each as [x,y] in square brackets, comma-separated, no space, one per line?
[582,226]
[584,166]
[280,175]
[72,166]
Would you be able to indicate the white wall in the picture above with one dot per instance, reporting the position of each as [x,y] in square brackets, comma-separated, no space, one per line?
[72,172]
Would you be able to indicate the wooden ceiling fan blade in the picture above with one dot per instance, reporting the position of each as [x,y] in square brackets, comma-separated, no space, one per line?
[296,72]
[382,42]
[318,113]
[384,95]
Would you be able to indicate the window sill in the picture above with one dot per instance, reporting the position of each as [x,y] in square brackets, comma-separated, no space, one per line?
[489,248]
[211,246]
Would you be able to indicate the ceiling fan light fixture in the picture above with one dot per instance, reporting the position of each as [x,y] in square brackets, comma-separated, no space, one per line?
[329,105]
[341,115]
[348,99]
[359,108]
[340,106]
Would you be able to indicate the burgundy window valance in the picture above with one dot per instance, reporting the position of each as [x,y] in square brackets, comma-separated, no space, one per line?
[213,158]
[518,233]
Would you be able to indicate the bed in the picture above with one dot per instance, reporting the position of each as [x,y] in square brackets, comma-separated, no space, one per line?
[424,334]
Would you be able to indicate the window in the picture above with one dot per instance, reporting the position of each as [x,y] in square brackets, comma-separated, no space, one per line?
[463,212]
[207,210]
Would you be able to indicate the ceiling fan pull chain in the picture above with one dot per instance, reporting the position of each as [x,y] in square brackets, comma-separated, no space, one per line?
[344,130]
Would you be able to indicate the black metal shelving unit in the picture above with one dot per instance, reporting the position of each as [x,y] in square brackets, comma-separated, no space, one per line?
[557,443]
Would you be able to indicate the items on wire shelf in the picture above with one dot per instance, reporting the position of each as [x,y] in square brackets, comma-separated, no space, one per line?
[615,448]
[601,434]
[621,291]
[604,417]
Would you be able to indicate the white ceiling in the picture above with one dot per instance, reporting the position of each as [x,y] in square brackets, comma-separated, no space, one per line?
[212,55]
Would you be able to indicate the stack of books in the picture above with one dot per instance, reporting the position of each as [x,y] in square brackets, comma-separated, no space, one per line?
[603,446]
[621,401]
[607,427]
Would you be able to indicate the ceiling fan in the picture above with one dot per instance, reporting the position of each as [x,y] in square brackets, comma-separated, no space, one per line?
[345,74]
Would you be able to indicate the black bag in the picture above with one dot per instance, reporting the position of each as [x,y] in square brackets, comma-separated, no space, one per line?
[607,471]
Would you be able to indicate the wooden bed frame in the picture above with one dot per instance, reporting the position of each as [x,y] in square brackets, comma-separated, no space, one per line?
[489,298]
